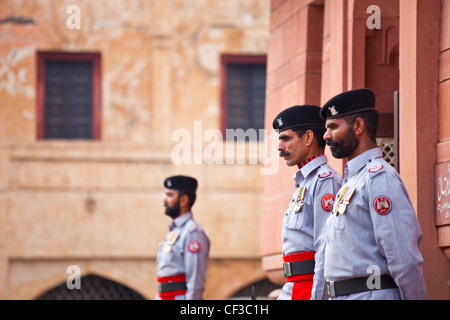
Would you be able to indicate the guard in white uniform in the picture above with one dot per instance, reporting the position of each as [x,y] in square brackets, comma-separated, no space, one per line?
[303,232]
[373,235]
[183,255]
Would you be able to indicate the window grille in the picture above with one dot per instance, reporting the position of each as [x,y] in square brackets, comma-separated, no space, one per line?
[387,147]
[92,288]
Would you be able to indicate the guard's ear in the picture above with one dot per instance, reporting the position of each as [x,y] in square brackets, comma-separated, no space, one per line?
[184,200]
[359,126]
[309,137]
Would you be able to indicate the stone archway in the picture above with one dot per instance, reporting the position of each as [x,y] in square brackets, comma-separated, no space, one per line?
[263,288]
[93,287]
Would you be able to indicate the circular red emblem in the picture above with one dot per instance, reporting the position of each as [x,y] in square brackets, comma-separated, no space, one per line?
[376,168]
[325,174]
[193,246]
[327,202]
[382,205]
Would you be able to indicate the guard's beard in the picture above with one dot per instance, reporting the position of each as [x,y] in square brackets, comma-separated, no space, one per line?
[173,211]
[344,149]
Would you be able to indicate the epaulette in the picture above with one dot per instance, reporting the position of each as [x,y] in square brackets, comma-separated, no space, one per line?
[192,226]
[375,167]
[325,174]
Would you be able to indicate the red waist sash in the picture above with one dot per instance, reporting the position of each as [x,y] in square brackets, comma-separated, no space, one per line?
[170,295]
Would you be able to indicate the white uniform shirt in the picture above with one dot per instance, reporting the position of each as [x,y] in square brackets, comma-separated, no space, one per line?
[188,255]
[304,231]
[378,232]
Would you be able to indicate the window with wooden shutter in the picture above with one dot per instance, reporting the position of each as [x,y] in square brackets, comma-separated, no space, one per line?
[243,92]
[68,96]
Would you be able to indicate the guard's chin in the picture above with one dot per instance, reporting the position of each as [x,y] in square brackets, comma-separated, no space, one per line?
[290,163]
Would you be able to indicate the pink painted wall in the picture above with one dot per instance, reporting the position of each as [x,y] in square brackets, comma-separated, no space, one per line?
[410,53]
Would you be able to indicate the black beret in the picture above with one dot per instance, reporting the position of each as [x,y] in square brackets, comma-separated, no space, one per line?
[298,117]
[180,182]
[348,102]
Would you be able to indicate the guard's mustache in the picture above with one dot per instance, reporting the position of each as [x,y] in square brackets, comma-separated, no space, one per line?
[331,143]
[284,153]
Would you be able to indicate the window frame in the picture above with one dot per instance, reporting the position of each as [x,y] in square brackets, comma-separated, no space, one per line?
[95,59]
[225,60]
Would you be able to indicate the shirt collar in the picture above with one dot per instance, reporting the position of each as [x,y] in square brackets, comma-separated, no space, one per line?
[309,165]
[304,163]
[360,161]
[179,221]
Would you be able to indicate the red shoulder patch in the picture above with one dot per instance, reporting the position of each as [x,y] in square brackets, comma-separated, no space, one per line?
[325,174]
[193,246]
[327,202]
[382,205]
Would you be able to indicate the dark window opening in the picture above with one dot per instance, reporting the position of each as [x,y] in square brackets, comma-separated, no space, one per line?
[243,92]
[68,96]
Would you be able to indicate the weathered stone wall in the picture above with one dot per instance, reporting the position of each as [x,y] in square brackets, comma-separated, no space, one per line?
[98,204]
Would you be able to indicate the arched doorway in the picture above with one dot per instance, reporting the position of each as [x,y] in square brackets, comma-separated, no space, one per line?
[262,290]
[93,287]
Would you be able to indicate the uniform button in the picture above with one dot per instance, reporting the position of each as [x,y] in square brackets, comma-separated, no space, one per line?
[298,185]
